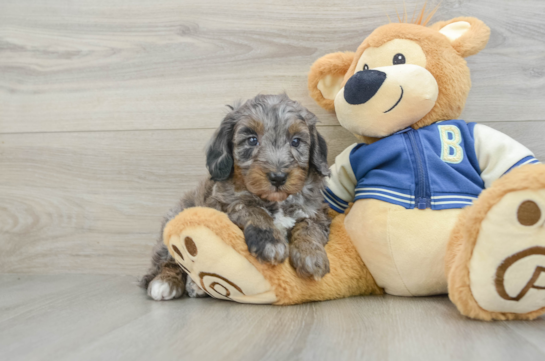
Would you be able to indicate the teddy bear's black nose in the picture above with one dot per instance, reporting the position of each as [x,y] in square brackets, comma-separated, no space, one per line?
[363,85]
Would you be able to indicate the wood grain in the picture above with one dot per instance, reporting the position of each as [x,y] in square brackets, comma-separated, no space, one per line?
[105,109]
[174,64]
[92,202]
[106,105]
[74,317]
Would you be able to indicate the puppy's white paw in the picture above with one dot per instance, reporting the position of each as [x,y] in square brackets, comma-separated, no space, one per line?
[193,290]
[161,290]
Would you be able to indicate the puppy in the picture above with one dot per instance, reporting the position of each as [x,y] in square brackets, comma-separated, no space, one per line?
[267,164]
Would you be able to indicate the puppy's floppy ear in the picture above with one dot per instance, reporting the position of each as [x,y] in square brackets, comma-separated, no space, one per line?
[318,149]
[318,146]
[467,35]
[219,154]
[326,77]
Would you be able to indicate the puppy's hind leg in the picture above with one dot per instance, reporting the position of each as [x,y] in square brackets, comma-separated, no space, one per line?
[165,279]
[193,289]
[168,284]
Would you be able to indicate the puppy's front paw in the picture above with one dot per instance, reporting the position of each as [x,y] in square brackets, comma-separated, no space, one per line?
[164,290]
[309,259]
[266,244]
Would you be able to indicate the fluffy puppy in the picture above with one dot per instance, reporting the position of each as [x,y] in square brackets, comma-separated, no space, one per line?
[267,165]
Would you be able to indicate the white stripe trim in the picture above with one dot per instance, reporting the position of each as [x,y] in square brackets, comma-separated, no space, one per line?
[384,190]
[385,196]
[333,195]
[528,161]
[443,197]
[435,203]
[332,201]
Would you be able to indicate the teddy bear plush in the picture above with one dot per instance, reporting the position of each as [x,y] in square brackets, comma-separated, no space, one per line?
[425,204]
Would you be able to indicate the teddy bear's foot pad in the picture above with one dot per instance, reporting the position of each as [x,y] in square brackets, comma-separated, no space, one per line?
[507,268]
[217,268]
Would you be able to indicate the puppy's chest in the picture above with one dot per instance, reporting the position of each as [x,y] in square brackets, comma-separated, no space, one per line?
[282,221]
[285,218]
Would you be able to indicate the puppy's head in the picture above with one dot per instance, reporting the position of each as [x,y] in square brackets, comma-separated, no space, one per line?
[268,145]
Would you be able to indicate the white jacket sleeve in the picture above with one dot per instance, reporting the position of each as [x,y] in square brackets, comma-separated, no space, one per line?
[341,184]
[498,153]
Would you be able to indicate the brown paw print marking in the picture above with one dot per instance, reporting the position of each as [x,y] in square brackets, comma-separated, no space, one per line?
[177,251]
[217,287]
[226,291]
[508,262]
[185,269]
[190,246]
[528,213]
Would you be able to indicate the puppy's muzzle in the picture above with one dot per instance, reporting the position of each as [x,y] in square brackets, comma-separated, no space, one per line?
[362,86]
[277,179]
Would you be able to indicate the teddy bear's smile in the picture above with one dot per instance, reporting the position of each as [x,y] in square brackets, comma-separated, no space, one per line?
[395,105]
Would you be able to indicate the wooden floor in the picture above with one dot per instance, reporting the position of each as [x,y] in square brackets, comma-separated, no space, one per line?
[85,317]
[105,108]
[106,105]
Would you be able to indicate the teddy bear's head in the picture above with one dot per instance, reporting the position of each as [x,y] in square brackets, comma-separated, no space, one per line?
[401,75]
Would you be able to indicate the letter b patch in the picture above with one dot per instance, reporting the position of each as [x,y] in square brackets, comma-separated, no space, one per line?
[451,137]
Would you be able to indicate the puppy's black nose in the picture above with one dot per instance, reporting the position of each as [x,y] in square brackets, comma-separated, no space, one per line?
[363,85]
[277,179]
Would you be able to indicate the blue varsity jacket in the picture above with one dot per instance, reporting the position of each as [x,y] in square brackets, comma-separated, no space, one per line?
[441,166]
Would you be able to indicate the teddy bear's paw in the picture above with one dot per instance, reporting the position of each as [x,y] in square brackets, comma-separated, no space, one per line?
[507,267]
[216,269]
[164,290]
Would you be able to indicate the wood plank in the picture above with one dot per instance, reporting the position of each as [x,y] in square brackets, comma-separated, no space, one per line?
[109,318]
[171,64]
[92,202]
[13,286]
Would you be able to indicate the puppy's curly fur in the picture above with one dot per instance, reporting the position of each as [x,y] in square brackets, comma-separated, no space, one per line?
[267,165]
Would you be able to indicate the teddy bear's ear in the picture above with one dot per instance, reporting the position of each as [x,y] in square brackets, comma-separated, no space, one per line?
[467,35]
[326,77]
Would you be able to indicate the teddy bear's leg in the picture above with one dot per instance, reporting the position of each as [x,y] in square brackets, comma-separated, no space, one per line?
[204,242]
[212,250]
[496,254]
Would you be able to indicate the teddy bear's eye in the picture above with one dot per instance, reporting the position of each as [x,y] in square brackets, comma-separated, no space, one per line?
[366,67]
[399,59]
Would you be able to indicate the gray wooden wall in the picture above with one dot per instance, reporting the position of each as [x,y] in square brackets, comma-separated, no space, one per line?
[106,105]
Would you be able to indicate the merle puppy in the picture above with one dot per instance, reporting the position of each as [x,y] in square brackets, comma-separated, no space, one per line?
[267,164]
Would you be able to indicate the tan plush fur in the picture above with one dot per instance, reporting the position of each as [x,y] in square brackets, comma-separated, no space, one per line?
[445,61]
[473,41]
[466,232]
[336,65]
[348,275]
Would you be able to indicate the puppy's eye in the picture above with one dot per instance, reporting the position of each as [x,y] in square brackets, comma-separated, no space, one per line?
[295,142]
[252,141]
[366,67]
[399,59]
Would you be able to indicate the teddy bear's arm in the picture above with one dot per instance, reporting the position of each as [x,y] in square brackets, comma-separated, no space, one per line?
[498,153]
[341,184]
